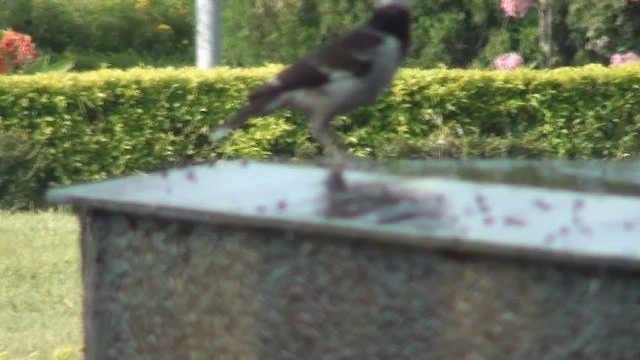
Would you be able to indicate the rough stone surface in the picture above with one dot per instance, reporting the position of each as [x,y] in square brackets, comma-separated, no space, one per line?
[164,289]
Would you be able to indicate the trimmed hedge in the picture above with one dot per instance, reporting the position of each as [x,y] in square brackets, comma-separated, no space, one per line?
[67,128]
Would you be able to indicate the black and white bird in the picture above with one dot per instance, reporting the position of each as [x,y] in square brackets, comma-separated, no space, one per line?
[337,78]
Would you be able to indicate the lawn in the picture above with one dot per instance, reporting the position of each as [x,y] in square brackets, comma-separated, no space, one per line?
[40,287]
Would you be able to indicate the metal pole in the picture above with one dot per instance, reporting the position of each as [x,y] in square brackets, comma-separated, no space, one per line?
[545,8]
[208,33]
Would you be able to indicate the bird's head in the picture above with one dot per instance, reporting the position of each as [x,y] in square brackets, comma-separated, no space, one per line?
[393,17]
[394,7]
[405,4]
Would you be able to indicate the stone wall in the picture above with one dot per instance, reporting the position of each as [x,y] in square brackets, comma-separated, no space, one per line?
[157,288]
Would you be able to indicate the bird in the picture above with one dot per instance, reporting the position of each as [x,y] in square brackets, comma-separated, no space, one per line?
[335,79]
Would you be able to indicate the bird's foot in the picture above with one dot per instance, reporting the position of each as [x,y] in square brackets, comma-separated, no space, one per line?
[335,181]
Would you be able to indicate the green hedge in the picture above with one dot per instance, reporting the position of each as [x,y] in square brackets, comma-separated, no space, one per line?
[69,128]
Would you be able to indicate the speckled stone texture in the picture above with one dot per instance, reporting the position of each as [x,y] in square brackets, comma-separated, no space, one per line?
[166,289]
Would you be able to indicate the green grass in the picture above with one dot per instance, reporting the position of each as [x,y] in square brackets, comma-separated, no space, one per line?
[40,286]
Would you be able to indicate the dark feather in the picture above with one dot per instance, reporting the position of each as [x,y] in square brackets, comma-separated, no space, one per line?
[302,74]
[346,54]
[393,20]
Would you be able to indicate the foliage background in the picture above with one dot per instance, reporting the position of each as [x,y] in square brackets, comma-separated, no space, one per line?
[69,128]
[450,33]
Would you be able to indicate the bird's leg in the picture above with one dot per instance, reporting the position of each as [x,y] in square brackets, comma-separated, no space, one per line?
[321,131]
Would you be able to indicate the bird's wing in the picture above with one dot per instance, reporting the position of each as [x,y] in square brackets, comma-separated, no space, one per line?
[351,55]
[299,75]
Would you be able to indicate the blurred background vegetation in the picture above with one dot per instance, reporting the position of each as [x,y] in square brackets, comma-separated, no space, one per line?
[446,33]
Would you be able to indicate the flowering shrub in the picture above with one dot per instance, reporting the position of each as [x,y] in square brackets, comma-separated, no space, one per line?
[508,61]
[17,51]
[18,54]
[516,8]
[620,59]
[165,20]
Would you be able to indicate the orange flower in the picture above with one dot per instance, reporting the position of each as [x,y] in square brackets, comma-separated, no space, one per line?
[183,11]
[16,50]
[9,39]
[164,27]
[142,4]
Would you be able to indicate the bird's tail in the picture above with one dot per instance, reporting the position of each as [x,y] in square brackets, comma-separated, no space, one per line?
[261,102]
[221,131]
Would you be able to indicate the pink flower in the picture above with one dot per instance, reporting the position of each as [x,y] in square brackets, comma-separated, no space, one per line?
[619,59]
[516,8]
[508,61]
